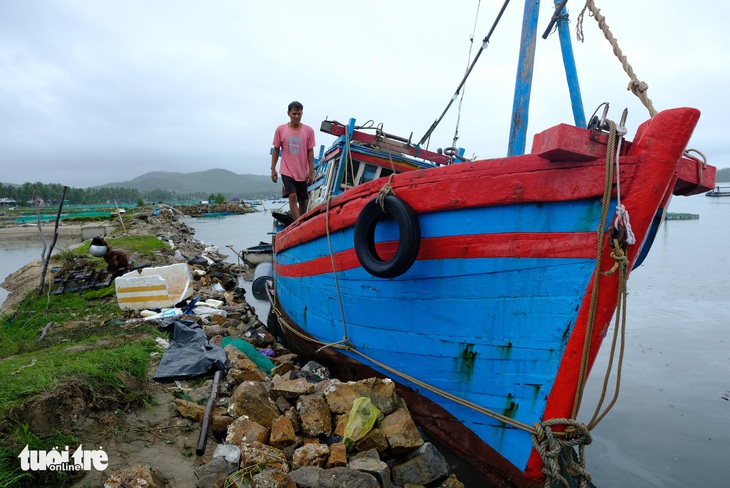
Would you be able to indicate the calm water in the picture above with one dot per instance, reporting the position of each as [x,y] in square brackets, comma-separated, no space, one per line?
[670,427]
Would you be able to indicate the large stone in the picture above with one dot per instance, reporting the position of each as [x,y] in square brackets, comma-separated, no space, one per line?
[135,477]
[220,420]
[262,456]
[282,367]
[244,430]
[282,433]
[422,467]
[312,477]
[238,376]
[381,392]
[338,455]
[375,439]
[291,389]
[340,396]
[401,432]
[238,359]
[252,399]
[214,473]
[369,462]
[271,478]
[452,482]
[311,454]
[315,415]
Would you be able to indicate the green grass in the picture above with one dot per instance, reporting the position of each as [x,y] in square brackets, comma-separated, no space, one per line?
[144,246]
[10,473]
[87,344]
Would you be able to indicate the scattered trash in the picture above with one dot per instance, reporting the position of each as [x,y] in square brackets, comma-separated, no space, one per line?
[32,362]
[163,314]
[264,363]
[231,452]
[190,353]
[158,287]
[363,417]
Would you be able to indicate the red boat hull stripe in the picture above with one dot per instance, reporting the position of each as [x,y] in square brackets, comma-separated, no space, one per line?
[506,245]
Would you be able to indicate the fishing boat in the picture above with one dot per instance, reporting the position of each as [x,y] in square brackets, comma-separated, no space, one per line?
[719,191]
[255,255]
[483,288]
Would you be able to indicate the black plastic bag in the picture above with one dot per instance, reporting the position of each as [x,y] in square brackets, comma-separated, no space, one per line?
[190,353]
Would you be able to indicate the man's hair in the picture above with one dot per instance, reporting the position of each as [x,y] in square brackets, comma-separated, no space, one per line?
[295,105]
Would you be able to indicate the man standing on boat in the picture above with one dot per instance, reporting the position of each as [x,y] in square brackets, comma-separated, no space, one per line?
[295,142]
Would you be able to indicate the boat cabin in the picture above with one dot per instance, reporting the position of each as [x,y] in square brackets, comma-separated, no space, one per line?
[358,157]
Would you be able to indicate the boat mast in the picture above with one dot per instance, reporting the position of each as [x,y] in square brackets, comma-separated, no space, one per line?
[523,83]
[571,74]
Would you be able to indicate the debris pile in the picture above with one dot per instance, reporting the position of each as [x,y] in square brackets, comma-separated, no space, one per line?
[276,422]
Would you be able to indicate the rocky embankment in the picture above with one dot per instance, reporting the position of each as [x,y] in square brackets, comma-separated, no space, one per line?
[277,420]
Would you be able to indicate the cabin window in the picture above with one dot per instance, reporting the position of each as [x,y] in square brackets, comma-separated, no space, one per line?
[370,173]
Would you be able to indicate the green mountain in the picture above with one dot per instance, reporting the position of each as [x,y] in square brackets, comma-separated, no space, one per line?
[212,181]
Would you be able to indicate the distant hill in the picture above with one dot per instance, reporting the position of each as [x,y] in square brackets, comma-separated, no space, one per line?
[723,175]
[212,181]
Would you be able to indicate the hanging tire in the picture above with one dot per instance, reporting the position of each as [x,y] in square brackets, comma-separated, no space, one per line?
[408,228]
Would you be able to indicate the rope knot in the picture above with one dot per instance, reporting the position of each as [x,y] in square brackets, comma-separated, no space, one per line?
[386,190]
[637,87]
[555,451]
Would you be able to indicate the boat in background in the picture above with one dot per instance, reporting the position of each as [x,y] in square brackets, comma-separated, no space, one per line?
[719,191]
[255,255]
[483,288]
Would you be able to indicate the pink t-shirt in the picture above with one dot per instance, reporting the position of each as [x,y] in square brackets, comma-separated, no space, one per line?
[294,145]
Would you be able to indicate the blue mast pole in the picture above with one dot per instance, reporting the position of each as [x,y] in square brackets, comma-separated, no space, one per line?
[523,83]
[566,46]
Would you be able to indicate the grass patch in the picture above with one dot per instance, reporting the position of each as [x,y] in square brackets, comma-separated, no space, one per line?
[18,333]
[104,365]
[87,351]
[10,448]
[144,246]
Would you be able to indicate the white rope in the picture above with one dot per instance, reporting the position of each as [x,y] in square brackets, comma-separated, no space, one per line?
[622,215]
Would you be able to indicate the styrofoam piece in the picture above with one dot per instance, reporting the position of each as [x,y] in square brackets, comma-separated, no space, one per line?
[159,287]
[212,302]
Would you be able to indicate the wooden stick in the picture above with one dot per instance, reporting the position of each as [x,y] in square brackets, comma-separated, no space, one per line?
[200,450]
[53,243]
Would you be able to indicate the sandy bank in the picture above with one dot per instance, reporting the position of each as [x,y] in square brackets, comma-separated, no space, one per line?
[66,231]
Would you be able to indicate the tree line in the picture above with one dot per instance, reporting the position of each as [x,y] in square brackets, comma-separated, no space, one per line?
[27,193]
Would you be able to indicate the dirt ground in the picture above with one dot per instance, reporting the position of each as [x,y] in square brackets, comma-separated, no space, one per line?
[151,435]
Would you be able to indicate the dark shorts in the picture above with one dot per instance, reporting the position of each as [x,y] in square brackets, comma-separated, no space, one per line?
[290,185]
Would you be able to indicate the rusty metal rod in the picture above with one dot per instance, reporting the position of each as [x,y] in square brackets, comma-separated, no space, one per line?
[200,450]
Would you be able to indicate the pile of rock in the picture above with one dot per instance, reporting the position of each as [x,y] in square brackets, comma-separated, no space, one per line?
[276,424]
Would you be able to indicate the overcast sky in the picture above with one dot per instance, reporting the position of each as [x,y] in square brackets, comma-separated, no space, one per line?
[100,91]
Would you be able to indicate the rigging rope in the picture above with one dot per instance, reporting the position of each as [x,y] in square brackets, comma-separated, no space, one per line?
[485,43]
[468,57]
[636,87]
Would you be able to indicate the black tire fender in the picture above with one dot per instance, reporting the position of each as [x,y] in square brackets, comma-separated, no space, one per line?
[408,228]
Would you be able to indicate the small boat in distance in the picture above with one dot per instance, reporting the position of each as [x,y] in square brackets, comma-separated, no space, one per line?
[719,191]
[483,288]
